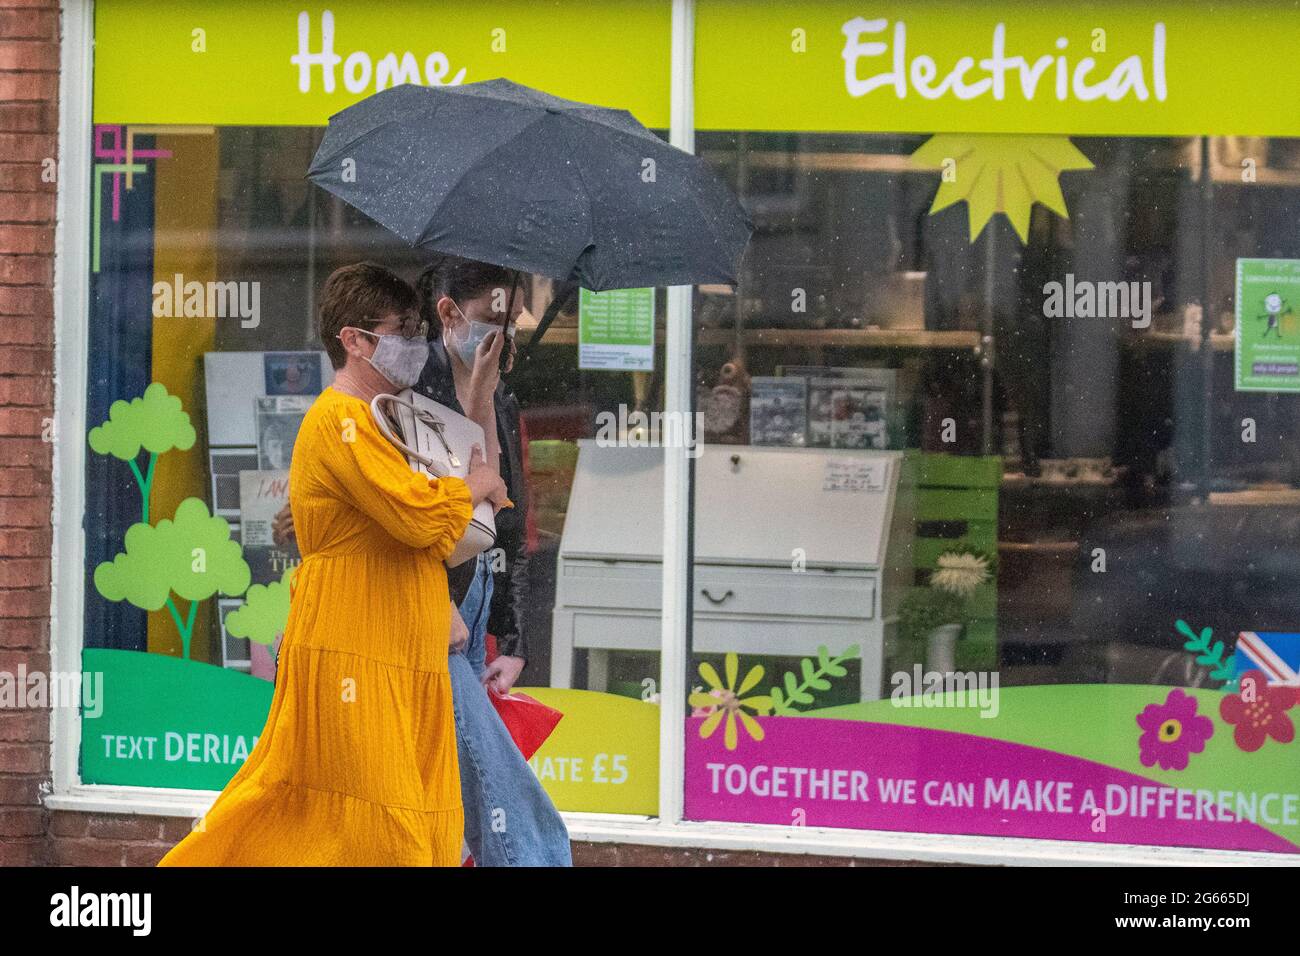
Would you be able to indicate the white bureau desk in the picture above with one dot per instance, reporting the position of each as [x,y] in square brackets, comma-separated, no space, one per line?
[844,517]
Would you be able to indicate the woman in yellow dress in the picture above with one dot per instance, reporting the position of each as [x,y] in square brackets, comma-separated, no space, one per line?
[357,763]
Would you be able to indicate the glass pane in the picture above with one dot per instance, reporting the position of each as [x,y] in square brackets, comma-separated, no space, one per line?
[990,535]
[209,263]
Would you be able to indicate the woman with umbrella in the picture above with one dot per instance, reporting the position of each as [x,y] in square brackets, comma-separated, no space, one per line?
[470,313]
[357,763]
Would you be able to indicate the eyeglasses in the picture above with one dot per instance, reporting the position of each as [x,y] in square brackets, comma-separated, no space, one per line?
[410,328]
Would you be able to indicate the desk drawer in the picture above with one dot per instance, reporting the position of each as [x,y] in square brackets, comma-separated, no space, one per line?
[723,590]
[786,593]
[625,585]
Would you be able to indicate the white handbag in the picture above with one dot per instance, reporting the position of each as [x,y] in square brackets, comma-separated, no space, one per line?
[437,442]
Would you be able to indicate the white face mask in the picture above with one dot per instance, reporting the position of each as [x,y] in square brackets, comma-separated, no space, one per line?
[467,344]
[399,359]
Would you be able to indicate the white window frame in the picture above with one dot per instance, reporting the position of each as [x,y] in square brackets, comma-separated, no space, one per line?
[669,829]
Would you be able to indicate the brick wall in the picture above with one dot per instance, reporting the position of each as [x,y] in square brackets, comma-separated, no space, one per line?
[84,839]
[29,71]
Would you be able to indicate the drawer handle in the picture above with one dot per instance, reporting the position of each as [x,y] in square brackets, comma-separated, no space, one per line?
[712,599]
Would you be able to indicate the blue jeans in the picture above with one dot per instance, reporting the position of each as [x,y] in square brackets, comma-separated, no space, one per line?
[509,819]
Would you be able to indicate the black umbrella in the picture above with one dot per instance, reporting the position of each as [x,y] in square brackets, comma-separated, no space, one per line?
[506,174]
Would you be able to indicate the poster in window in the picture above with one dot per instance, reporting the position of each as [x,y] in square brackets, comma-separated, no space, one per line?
[278,420]
[261,496]
[1267,357]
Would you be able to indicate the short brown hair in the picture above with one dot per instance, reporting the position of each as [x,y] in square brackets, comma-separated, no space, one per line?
[360,295]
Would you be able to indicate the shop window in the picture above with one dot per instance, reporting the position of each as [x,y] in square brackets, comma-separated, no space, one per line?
[990,537]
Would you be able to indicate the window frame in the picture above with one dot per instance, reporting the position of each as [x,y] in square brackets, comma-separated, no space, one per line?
[669,828]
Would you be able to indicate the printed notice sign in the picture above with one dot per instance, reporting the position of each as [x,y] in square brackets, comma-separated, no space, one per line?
[1267,357]
[616,330]
[854,475]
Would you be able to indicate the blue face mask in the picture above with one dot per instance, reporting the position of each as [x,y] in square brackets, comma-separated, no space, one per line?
[466,346]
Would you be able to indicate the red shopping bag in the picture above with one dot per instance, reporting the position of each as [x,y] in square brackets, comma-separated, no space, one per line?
[529,721]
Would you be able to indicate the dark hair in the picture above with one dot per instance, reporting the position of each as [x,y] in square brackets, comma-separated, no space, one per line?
[360,295]
[459,278]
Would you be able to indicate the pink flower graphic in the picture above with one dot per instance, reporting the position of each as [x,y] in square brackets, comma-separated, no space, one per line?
[1257,720]
[1173,731]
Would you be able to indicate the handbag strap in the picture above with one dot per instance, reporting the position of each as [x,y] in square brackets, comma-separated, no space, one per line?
[385,427]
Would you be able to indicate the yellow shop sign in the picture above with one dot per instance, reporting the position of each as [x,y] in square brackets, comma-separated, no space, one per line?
[295,63]
[1102,67]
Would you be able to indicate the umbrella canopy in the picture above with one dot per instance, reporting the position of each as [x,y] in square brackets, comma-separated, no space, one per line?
[506,174]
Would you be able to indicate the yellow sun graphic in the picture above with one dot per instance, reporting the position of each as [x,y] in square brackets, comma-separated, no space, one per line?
[1005,174]
[725,701]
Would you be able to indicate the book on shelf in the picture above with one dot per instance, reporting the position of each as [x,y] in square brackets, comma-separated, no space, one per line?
[847,407]
[778,411]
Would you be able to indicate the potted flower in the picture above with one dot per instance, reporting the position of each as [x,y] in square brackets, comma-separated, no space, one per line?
[937,613]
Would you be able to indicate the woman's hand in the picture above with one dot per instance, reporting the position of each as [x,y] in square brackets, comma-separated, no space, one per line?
[459,632]
[502,673]
[484,376]
[484,482]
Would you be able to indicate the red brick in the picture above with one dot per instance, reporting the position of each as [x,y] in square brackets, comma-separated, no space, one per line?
[23,483]
[24,512]
[20,791]
[23,421]
[25,361]
[85,853]
[127,826]
[24,572]
[33,116]
[175,829]
[26,726]
[29,24]
[27,270]
[27,207]
[26,422]
[29,633]
[22,821]
[26,390]
[28,178]
[28,55]
[44,4]
[22,853]
[25,299]
[23,452]
[69,823]
[15,87]
[26,329]
[29,603]
[145,854]
[24,758]
[11,660]
[25,543]
[26,239]
[595,854]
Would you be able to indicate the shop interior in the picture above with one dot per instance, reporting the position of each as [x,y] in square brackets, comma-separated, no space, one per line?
[1095,471]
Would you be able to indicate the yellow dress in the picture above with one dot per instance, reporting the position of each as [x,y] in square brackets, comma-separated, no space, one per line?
[357,763]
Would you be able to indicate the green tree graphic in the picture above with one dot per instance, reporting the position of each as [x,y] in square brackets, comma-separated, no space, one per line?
[264,613]
[155,422]
[191,555]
